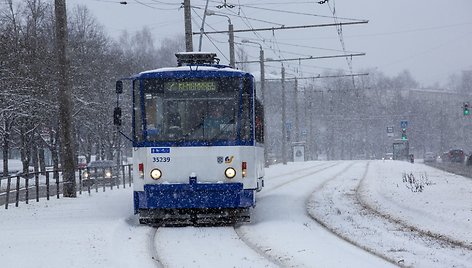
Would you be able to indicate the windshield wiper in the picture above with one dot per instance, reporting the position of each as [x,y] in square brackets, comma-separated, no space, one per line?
[225,128]
[194,129]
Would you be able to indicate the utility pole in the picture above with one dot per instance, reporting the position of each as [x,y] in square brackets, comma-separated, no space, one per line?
[266,140]
[284,130]
[261,60]
[231,44]
[188,26]
[202,28]
[295,99]
[65,102]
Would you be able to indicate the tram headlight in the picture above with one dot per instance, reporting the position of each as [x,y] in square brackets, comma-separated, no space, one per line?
[156,174]
[230,173]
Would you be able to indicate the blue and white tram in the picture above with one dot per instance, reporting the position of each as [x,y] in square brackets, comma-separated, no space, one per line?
[198,155]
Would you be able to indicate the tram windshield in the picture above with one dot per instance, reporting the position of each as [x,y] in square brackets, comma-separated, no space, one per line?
[191,111]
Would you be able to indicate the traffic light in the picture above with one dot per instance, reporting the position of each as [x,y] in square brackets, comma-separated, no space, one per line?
[466,108]
[404,138]
[117,116]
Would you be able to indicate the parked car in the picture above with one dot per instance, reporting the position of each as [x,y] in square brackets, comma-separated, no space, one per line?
[429,157]
[101,172]
[456,155]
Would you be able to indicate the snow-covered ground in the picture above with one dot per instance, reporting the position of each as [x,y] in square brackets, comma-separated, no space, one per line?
[378,220]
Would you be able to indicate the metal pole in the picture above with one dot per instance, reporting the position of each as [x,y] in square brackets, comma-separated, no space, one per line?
[203,26]
[118,156]
[230,34]
[261,59]
[284,134]
[188,26]
[297,124]
[266,140]
[231,44]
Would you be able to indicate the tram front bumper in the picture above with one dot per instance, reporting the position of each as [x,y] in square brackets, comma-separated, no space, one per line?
[193,195]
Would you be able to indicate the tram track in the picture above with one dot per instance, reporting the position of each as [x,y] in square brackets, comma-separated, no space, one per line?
[378,221]
[442,238]
[264,252]
[284,259]
[333,230]
[252,235]
[271,261]
[318,169]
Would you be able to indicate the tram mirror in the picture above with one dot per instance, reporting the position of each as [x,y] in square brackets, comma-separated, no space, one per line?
[119,87]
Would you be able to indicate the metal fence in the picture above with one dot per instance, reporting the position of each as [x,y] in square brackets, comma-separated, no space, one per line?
[37,185]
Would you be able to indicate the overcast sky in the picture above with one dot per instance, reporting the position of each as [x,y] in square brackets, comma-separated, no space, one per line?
[430,38]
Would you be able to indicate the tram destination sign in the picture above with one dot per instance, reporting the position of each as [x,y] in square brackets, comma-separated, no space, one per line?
[176,86]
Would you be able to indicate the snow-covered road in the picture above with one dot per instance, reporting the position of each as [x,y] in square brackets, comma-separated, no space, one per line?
[297,214]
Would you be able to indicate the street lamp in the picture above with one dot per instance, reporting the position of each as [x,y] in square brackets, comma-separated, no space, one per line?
[261,61]
[231,35]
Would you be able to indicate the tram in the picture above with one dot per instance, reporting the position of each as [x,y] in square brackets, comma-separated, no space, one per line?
[197,134]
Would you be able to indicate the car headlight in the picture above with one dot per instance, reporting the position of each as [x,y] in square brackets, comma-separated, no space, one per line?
[86,174]
[156,174]
[230,173]
[108,174]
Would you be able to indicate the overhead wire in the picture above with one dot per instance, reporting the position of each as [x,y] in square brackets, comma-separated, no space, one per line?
[272,44]
[341,37]
[288,11]
[153,7]
[165,3]
[258,35]
[312,47]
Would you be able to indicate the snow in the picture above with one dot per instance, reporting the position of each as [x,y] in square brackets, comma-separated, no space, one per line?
[378,220]
[191,68]
[14,166]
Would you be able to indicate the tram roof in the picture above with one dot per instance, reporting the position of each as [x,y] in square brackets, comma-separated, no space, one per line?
[192,71]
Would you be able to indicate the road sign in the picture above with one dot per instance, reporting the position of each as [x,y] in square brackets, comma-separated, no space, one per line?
[390,131]
[403,124]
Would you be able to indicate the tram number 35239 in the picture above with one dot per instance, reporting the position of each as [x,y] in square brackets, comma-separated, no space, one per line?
[161,159]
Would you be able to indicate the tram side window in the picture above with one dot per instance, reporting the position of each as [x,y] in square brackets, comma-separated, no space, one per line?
[138,123]
[259,122]
[246,120]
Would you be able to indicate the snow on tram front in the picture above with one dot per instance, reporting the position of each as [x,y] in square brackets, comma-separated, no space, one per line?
[198,155]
